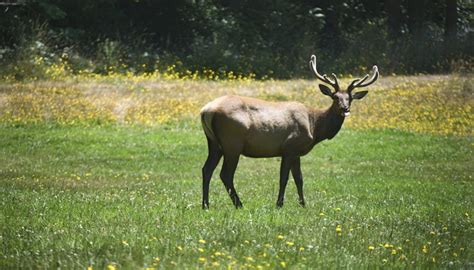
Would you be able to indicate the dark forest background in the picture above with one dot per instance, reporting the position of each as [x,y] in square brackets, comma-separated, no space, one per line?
[269,38]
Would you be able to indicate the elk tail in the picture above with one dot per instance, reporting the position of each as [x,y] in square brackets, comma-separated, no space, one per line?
[206,120]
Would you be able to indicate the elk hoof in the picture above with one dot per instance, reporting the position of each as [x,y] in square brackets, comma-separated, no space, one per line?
[302,203]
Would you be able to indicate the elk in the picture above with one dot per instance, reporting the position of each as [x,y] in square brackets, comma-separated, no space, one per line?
[236,125]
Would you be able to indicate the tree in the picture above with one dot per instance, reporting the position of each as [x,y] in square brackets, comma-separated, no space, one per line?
[450,30]
[394,17]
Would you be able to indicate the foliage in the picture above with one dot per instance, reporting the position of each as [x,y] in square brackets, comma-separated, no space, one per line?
[267,38]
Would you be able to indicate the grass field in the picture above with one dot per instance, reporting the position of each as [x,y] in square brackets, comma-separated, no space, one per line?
[107,174]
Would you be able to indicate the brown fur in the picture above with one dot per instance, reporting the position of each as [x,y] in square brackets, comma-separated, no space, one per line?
[236,125]
[258,128]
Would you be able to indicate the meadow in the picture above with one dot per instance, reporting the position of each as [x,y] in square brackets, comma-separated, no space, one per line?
[104,172]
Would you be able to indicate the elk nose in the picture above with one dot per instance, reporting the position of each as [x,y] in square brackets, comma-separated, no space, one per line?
[346,111]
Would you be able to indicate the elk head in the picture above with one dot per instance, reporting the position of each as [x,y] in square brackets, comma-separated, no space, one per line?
[342,99]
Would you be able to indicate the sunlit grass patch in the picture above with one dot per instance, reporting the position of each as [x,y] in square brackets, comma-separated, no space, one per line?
[64,105]
[431,104]
[153,112]
[440,107]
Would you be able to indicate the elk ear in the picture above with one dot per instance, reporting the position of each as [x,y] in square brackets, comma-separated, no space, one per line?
[359,95]
[325,90]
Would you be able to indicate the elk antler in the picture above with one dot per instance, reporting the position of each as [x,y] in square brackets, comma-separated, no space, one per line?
[360,82]
[324,78]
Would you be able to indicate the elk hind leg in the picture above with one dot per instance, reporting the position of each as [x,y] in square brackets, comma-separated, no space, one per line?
[210,165]
[227,175]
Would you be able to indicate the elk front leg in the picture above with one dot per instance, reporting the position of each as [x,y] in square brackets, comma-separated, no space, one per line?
[227,176]
[298,176]
[211,163]
[284,173]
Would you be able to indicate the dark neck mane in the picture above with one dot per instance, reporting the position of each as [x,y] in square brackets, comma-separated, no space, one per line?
[326,123]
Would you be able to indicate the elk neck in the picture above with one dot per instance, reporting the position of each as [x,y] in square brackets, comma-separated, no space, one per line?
[326,123]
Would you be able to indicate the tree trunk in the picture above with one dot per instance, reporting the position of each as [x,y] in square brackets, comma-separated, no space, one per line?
[416,13]
[394,14]
[450,30]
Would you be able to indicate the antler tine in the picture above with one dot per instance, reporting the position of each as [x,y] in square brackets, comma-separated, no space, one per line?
[324,77]
[351,86]
[354,84]
[360,82]
[336,82]
[372,80]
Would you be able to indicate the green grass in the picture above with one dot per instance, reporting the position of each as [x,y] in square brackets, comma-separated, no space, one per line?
[74,196]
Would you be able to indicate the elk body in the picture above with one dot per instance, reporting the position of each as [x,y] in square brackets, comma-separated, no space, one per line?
[236,125]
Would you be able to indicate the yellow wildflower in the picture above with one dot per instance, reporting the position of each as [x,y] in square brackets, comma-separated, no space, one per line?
[371,247]
[424,249]
[202,259]
[202,241]
[283,264]
[280,236]
[290,243]
[111,267]
[201,250]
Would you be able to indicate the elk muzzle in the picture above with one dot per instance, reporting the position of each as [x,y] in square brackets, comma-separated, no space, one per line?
[346,111]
